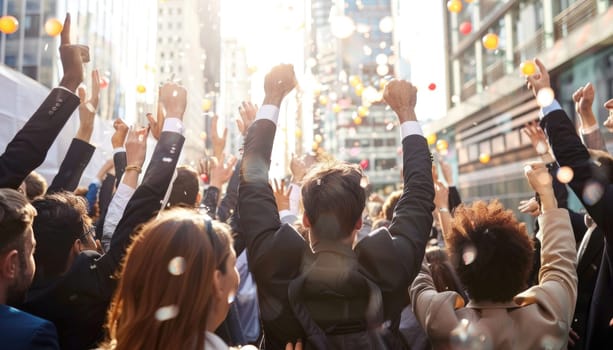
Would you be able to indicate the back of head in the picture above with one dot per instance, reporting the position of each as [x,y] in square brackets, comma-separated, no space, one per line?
[165,291]
[490,250]
[185,188]
[333,200]
[62,218]
[390,204]
[16,214]
[443,274]
[36,185]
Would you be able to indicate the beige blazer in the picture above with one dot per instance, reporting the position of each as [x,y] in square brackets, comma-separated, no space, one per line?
[538,318]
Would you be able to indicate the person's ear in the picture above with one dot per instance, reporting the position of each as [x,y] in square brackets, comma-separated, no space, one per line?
[358,224]
[198,198]
[8,264]
[77,247]
[305,221]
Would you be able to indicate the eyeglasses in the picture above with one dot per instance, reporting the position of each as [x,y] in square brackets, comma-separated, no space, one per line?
[90,231]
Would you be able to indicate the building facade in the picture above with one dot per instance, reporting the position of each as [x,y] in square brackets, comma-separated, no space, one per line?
[350,72]
[488,102]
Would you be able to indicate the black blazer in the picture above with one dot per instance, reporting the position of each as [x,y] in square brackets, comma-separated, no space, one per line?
[78,156]
[29,147]
[569,151]
[389,257]
[77,301]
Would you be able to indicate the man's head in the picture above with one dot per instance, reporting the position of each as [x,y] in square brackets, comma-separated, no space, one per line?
[16,246]
[490,250]
[62,229]
[185,189]
[333,201]
[36,186]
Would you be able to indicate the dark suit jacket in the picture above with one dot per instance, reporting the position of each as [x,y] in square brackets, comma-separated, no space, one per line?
[68,176]
[596,194]
[109,184]
[22,331]
[276,253]
[77,301]
[29,147]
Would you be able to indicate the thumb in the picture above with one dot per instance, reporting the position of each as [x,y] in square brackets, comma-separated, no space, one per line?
[152,121]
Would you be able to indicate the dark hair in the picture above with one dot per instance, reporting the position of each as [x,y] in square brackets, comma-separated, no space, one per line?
[333,199]
[185,188]
[490,250]
[36,185]
[16,214]
[62,218]
[443,274]
[390,204]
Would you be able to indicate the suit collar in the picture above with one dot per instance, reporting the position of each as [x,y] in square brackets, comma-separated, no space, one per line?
[333,247]
[485,304]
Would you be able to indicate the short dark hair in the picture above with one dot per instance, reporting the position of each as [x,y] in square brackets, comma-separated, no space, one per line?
[36,185]
[390,204]
[443,274]
[490,250]
[333,199]
[16,214]
[62,218]
[185,188]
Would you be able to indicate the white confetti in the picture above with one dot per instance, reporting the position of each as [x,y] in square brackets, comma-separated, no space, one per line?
[176,266]
[166,313]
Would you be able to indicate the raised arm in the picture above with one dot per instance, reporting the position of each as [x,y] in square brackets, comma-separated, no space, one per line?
[81,150]
[29,147]
[148,197]
[590,132]
[594,191]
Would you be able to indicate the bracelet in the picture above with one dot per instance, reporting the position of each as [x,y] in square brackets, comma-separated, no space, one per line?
[443,210]
[136,168]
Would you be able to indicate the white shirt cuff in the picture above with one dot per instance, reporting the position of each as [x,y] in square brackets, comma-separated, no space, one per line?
[269,112]
[554,106]
[118,150]
[283,213]
[589,130]
[410,128]
[173,125]
[67,89]
[124,191]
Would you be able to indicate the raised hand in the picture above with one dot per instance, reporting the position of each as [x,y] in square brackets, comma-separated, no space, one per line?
[282,194]
[441,195]
[136,147]
[447,172]
[300,165]
[87,108]
[72,57]
[537,137]
[120,134]
[156,125]
[584,98]
[247,111]
[538,80]
[530,207]
[219,171]
[219,142]
[609,122]
[278,83]
[541,182]
[174,99]
[401,96]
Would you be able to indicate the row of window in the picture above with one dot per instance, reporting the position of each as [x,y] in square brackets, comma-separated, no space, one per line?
[496,145]
[170,11]
[170,25]
[366,142]
[170,40]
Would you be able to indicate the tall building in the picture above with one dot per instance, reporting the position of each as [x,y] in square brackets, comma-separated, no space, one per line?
[122,46]
[180,57]
[350,72]
[487,98]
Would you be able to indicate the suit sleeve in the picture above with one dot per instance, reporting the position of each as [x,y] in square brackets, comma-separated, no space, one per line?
[120,162]
[78,156]
[259,216]
[394,261]
[588,183]
[146,199]
[230,199]
[29,147]
[45,337]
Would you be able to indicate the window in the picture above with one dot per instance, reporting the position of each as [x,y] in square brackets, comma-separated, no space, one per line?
[512,139]
[385,164]
[32,26]
[498,144]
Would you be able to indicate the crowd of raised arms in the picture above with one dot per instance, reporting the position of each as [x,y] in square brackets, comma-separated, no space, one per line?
[152,262]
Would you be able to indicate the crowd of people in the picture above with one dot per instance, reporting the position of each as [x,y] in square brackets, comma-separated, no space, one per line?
[316,262]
